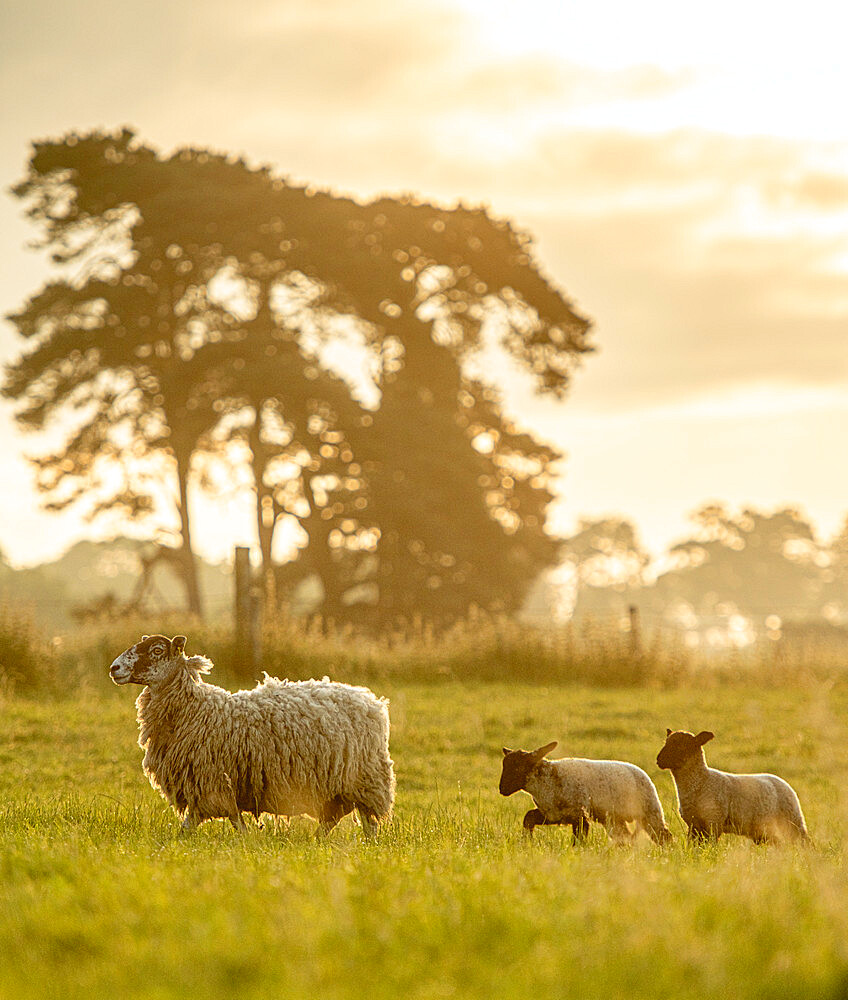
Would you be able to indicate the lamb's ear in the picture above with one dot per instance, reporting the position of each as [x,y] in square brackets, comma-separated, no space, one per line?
[144,637]
[704,737]
[540,753]
[178,644]
[506,751]
[668,732]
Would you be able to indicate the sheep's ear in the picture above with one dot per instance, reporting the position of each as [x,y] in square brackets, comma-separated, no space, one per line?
[704,737]
[668,732]
[144,637]
[506,751]
[178,645]
[540,753]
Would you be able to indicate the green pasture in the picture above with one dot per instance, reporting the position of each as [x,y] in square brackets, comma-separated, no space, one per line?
[101,896]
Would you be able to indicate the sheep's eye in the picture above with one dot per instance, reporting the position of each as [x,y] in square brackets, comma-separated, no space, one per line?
[158,649]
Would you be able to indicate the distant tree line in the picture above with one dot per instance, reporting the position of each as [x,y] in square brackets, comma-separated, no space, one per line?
[770,568]
[757,564]
[187,342]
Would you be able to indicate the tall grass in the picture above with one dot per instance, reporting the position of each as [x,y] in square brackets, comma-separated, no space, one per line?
[26,661]
[482,648]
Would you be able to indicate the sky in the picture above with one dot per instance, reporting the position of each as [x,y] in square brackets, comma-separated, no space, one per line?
[684,176]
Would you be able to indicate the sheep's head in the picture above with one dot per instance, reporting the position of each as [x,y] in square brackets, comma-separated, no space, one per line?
[517,765]
[680,747]
[147,660]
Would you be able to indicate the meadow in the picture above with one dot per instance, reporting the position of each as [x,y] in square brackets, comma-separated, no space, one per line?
[100,895]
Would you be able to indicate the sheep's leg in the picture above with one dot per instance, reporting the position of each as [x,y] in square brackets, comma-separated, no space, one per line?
[658,832]
[533,818]
[278,820]
[701,834]
[619,830]
[331,812]
[580,828]
[238,822]
[799,833]
[368,820]
[191,821]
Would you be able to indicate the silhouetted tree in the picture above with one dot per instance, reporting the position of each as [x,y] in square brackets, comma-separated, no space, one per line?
[756,563]
[186,333]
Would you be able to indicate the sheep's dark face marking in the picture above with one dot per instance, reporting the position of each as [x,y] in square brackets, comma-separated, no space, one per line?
[680,747]
[517,765]
[144,662]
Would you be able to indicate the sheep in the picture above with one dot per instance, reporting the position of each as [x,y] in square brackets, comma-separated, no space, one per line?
[574,790]
[286,748]
[760,806]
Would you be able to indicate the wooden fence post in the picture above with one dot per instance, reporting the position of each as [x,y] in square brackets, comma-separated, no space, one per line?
[635,631]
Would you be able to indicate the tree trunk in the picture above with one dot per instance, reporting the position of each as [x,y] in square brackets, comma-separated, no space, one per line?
[189,567]
[320,555]
[266,517]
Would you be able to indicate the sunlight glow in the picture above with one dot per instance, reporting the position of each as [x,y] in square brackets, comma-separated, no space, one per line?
[756,400]
[729,73]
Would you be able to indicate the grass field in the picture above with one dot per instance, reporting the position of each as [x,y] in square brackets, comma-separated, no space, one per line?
[101,896]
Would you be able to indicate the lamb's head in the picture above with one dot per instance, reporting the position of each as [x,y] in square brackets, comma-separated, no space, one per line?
[681,747]
[517,765]
[147,661]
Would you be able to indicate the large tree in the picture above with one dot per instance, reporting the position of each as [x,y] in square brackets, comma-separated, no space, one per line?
[186,334]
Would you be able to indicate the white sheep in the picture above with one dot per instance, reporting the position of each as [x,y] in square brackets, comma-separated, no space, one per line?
[574,790]
[312,747]
[760,806]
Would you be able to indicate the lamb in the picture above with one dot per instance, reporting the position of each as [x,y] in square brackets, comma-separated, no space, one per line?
[760,806]
[286,748]
[574,790]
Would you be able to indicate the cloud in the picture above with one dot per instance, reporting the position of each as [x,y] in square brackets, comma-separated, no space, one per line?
[668,330]
[541,83]
[816,190]
[331,59]
[421,61]
[705,259]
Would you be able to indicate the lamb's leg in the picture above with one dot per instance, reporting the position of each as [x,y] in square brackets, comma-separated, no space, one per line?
[533,818]
[797,832]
